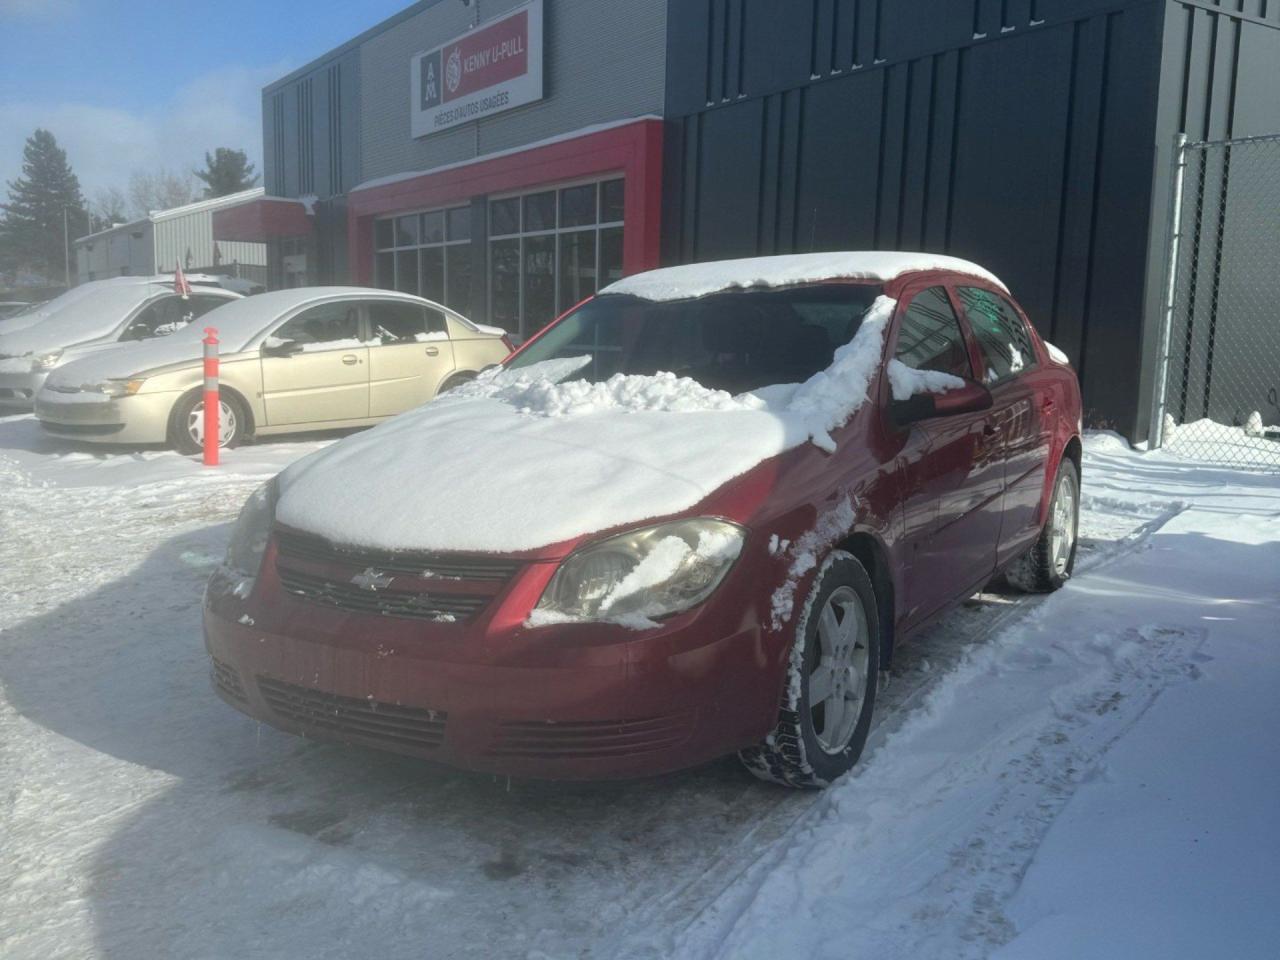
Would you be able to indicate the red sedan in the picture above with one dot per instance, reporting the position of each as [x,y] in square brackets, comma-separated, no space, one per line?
[695,515]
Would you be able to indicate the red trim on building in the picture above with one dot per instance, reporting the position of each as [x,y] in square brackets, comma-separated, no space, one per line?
[260,220]
[633,149]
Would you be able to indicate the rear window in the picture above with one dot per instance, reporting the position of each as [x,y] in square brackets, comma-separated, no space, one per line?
[1002,336]
[737,341]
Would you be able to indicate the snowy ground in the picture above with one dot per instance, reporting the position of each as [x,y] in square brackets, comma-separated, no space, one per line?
[1093,774]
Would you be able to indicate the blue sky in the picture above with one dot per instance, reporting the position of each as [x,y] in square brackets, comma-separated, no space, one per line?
[141,84]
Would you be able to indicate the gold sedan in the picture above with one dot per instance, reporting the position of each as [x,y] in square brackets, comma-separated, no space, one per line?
[313,358]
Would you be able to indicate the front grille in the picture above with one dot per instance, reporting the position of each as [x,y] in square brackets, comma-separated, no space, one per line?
[226,680]
[352,717]
[412,605]
[307,548]
[586,739]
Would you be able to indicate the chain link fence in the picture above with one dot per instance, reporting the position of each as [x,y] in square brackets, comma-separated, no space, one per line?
[1218,380]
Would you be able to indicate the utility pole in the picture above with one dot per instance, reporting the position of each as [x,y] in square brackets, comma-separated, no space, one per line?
[66,246]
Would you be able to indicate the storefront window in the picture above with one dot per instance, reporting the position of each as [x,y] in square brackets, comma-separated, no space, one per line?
[551,249]
[504,264]
[428,254]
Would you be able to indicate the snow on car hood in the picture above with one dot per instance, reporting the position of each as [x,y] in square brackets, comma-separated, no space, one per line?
[520,460]
[83,313]
[700,279]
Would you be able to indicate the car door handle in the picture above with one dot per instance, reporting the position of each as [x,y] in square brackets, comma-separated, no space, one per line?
[433,351]
[350,359]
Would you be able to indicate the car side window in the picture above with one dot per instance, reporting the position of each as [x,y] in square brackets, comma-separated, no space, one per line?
[160,318]
[394,321]
[929,336]
[326,326]
[1001,334]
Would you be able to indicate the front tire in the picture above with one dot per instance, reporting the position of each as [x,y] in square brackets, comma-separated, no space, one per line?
[186,423]
[1048,564]
[830,690]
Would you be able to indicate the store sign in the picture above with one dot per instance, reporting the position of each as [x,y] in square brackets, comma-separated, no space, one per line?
[495,67]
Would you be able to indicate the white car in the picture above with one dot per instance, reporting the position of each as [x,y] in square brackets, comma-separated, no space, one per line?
[87,318]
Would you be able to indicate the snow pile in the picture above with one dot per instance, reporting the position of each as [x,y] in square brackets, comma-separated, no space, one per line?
[1255,443]
[906,382]
[699,279]
[544,396]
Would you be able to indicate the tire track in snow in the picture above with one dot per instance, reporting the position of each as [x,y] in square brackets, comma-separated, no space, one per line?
[735,879]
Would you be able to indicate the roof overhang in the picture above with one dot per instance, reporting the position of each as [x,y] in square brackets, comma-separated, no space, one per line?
[262,219]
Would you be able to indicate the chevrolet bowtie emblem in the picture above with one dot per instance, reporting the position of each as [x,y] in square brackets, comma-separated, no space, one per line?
[371,579]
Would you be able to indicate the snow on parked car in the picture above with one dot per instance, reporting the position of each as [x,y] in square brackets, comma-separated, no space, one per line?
[302,359]
[693,516]
[88,318]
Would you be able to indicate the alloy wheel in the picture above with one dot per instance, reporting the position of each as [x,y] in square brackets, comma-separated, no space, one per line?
[1062,536]
[837,681]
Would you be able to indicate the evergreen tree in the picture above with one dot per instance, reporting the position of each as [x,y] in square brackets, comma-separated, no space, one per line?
[41,201]
[227,171]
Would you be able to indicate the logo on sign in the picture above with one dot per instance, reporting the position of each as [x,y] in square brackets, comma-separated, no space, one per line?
[496,66]
[453,70]
[430,80]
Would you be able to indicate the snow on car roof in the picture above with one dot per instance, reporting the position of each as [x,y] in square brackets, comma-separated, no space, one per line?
[83,313]
[700,279]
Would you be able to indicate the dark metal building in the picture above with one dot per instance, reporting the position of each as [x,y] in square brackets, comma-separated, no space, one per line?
[1033,136]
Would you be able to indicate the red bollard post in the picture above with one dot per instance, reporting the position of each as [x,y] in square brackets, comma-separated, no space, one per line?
[211,404]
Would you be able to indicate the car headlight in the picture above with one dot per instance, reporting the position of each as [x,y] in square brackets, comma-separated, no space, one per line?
[118,388]
[642,575]
[252,529]
[45,361]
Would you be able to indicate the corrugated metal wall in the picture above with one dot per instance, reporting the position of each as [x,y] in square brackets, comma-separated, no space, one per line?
[188,239]
[1018,134]
[1220,80]
[311,130]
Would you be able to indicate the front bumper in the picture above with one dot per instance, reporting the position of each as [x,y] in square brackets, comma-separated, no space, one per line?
[580,701]
[18,390]
[95,417]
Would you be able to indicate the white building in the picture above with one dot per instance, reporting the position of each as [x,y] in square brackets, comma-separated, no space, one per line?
[165,238]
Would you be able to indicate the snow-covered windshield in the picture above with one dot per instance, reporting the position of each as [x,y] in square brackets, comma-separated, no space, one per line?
[736,342]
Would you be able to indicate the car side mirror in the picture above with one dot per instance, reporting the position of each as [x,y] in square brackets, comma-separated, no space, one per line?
[970,398]
[281,348]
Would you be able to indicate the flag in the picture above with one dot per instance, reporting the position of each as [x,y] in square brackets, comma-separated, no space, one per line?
[180,285]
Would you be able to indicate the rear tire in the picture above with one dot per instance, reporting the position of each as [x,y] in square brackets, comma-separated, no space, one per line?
[1048,564]
[830,691]
[186,423]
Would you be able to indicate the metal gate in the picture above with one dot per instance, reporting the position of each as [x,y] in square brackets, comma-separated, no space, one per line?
[1217,384]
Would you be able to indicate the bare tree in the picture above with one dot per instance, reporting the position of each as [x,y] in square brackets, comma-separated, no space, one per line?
[108,207]
[159,190]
